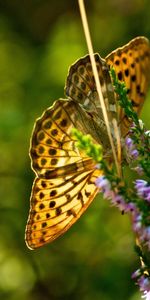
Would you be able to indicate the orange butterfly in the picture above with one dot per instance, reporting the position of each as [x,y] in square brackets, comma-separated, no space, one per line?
[65,177]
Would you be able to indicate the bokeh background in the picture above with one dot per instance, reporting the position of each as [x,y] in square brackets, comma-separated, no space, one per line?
[39,39]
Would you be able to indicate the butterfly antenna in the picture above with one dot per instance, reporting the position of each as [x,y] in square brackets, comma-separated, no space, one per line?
[98,86]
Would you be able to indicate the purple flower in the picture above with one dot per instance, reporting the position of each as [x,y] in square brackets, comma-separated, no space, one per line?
[144,283]
[137,222]
[146,295]
[140,183]
[145,236]
[134,153]
[143,189]
[118,200]
[129,143]
[131,151]
[103,183]
[136,274]
[131,207]
[105,187]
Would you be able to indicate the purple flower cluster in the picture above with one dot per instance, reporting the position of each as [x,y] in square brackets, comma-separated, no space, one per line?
[142,232]
[144,283]
[137,201]
[136,139]
[116,199]
[132,155]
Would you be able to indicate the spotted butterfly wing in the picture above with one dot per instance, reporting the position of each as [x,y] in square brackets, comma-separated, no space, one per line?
[132,65]
[65,182]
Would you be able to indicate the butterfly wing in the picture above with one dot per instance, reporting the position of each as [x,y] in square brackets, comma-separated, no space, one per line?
[56,204]
[65,182]
[81,87]
[132,65]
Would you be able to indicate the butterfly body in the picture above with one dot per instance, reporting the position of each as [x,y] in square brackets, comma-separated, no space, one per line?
[65,176]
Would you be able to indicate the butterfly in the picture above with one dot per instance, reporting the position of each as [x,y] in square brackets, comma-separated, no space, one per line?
[65,176]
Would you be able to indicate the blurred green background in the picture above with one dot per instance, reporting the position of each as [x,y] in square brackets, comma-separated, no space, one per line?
[39,39]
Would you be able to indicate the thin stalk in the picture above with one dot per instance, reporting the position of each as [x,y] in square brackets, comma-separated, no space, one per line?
[98,86]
